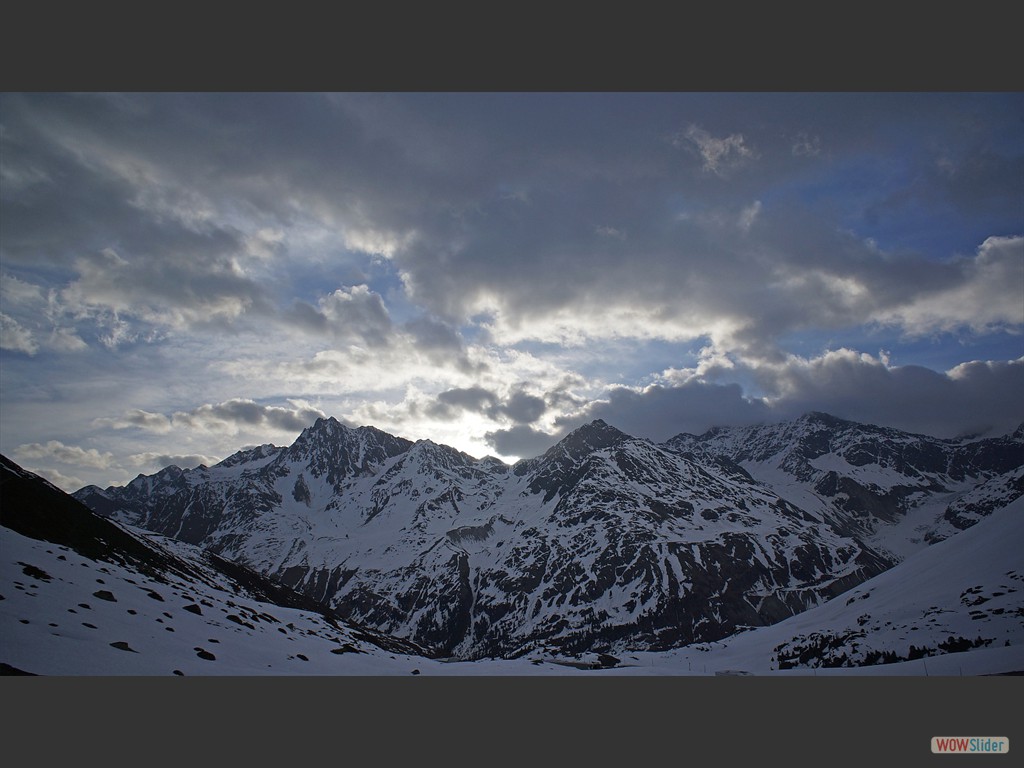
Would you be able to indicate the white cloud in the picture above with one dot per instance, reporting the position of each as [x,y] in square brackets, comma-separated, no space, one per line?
[593,320]
[749,215]
[357,313]
[972,398]
[719,155]
[712,362]
[163,290]
[66,340]
[612,232]
[138,418]
[157,461]
[66,454]
[265,244]
[67,483]
[21,178]
[15,337]
[989,294]
[40,311]
[16,291]
[376,241]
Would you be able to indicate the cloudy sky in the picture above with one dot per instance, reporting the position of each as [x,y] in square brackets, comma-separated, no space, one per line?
[184,275]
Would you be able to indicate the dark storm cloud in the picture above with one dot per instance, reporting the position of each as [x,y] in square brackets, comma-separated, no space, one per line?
[246,414]
[975,397]
[521,407]
[451,402]
[341,161]
[524,408]
[746,275]
[131,197]
[660,412]
[307,317]
[277,157]
[972,398]
[475,399]
[707,259]
[522,441]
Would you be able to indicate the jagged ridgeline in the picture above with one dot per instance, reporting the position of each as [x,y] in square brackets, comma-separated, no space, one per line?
[606,542]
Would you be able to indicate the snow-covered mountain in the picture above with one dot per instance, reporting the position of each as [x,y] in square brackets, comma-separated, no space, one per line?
[897,492]
[604,542]
[80,595]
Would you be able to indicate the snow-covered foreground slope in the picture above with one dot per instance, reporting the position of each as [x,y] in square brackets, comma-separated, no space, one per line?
[66,614]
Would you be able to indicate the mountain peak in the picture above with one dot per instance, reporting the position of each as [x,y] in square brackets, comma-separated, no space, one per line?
[436,456]
[587,438]
[246,455]
[550,472]
[598,428]
[330,448]
[822,418]
[328,425]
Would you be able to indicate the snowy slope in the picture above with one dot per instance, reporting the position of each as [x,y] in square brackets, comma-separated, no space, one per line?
[66,614]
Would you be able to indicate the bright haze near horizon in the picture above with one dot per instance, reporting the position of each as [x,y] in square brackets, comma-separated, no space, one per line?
[185,275]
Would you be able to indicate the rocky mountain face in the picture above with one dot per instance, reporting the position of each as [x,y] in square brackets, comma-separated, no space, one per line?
[606,542]
[896,491]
